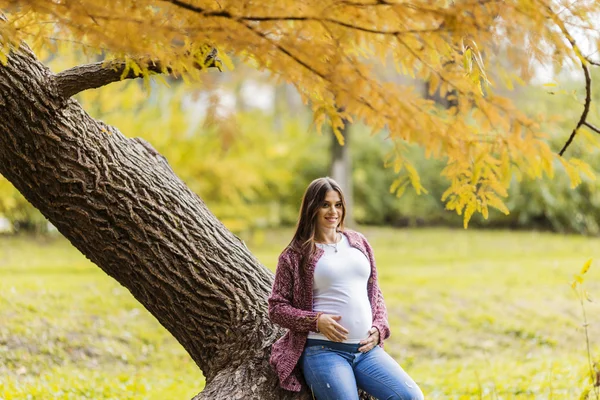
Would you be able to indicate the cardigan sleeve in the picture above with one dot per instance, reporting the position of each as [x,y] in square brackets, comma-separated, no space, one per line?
[281,310]
[380,320]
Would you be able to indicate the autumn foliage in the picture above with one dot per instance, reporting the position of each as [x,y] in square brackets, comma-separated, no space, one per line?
[333,50]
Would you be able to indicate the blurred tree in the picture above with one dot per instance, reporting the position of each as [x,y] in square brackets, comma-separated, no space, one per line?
[340,168]
[119,202]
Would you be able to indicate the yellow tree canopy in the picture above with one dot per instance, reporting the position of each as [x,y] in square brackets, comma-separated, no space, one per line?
[330,50]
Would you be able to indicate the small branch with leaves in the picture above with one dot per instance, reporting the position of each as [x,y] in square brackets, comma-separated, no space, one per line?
[92,76]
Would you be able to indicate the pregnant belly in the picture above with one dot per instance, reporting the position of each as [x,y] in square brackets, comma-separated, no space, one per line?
[358,321]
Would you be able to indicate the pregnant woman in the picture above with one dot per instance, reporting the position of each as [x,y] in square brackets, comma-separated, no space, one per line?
[327,295]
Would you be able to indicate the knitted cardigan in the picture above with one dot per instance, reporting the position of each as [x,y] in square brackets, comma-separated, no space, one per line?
[291,306]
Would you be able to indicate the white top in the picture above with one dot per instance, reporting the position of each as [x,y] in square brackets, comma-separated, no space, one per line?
[340,288]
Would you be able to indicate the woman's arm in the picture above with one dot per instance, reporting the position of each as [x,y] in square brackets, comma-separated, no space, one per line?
[281,311]
[380,320]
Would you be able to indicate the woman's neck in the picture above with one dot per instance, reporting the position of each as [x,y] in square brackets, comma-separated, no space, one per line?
[326,236]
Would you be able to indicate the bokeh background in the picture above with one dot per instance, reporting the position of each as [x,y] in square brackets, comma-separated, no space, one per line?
[484,313]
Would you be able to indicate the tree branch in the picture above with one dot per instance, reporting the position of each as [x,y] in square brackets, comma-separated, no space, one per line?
[592,127]
[596,63]
[92,76]
[586,107]
[270,18]
[586,72]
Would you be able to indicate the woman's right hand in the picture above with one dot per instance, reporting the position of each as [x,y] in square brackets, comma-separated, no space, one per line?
[328,326]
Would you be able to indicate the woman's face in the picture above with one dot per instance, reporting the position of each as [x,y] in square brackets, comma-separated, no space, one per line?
[330,212]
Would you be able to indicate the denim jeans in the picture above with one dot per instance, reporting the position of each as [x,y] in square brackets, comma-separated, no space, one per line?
[334,371]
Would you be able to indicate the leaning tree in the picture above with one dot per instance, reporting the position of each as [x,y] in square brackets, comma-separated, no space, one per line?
[117,200]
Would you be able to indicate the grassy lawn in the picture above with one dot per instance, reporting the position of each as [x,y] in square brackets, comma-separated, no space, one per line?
[473,315]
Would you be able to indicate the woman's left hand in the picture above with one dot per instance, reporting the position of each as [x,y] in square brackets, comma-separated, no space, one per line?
[371,341]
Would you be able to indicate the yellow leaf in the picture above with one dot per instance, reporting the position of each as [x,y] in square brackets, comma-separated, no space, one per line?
[226,60]
[583,168]
[415,180]
[136,68]
[397,182]
[586,267]
[497,203]
[126,69]
[161,79]
[507,81]
[484,211]
[468,61]
[3,56]
[571,172]
[471,207]
[401,188]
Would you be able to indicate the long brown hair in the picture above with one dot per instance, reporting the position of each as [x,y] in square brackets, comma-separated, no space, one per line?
[314,196]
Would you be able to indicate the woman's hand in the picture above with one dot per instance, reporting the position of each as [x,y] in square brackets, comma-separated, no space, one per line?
[328,326]
[371,341]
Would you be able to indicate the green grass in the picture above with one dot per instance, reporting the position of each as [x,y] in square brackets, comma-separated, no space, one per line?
[474,315]
[68,331]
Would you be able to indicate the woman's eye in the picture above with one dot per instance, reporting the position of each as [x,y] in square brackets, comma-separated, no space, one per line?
[339,205]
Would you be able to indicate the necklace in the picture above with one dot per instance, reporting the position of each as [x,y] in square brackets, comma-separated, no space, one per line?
[333,245]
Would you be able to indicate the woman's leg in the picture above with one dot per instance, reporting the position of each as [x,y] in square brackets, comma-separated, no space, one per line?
[378,374]
[329,374]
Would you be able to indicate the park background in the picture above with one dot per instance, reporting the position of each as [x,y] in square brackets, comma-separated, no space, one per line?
[488,312]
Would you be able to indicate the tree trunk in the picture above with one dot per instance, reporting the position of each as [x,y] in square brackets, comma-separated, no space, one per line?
[118,202]
[341,170]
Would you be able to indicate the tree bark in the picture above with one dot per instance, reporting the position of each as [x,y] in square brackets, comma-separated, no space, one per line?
[118,202]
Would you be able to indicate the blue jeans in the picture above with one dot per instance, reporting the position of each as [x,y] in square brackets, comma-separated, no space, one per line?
[334,371]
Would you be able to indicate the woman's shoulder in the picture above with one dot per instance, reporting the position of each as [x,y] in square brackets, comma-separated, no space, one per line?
[289,254]
[354,235]
[357,239]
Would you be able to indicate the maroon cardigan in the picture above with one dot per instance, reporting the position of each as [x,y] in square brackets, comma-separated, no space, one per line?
[291,306]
